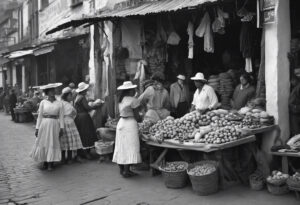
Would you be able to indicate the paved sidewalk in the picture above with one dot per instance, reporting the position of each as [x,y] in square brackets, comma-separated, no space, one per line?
[22,182]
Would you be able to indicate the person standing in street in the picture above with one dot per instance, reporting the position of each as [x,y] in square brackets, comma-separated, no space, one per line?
[84,121]
[12,104]
[205,97]
[70,141]
[127,145]
[179,97]
[49,128]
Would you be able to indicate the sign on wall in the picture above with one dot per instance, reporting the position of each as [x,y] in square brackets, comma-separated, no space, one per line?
[269,11]
[269,4]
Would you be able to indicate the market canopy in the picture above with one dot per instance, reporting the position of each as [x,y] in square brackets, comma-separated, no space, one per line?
[146,8]
[18,54]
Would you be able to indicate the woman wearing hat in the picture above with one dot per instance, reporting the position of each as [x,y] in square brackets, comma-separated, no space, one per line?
[49,127]
[205,97]
[70,141]
[179,97]
[127,145]
[84,121]
[157,99]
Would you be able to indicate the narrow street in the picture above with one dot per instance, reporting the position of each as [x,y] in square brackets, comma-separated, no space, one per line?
[22,182]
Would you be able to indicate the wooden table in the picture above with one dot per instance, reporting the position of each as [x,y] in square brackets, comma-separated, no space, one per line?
[284,159]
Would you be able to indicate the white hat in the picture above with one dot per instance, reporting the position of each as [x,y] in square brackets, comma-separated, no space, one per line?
[199,76]
[181,77]
[50,85]
[82,87]
[127,85]
[66,90]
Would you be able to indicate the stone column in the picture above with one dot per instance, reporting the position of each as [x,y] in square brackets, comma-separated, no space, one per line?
[277,42]
[23,78]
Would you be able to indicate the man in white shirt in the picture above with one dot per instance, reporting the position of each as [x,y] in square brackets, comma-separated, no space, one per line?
[205,97]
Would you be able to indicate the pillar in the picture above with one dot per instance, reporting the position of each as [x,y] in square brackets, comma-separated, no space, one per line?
[23,79]
[277,42]
[14,75]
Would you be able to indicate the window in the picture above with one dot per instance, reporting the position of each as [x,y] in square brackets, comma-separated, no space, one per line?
[76,3]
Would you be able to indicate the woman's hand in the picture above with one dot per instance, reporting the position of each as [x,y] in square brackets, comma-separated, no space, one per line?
[61,132]
[36,133]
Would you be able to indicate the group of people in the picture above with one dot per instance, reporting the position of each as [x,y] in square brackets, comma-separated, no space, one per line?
[64,129]
[8,101]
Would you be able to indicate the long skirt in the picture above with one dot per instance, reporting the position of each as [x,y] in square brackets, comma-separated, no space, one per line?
[127,145]
[47,145]
[86,129]
[71,138]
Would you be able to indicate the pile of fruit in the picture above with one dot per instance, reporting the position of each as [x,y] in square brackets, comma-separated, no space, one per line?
[234,117]
[251,122]
[202,170]
[145,126]
[277,178]
[165,128]
[221,135]
[174,167]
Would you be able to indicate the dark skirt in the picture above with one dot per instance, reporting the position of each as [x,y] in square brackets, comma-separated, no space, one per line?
[182,109]
[86,129]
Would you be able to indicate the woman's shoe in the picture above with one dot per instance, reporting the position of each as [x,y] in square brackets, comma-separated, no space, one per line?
[126,174]
[44,166]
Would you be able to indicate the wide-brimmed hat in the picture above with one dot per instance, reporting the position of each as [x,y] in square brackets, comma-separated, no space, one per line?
[127,85]
[66,90]
[50,85]
[181,77]
[82,87]
[199,76]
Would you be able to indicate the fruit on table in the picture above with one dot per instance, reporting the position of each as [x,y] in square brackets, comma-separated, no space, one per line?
[174,167]
[201,170]
[296,177]
[221,135]
[251,122]
[145,126]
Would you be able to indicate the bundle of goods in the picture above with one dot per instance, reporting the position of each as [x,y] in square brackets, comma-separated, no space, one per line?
[103,148]
[214,82]
[294,142]
[256,181]
[276,183]
[145,126]
[256,118]
[294,181]
[220,136]
[234,76]
[251,122]
[156,59]
[204,177]
[226,89]
[174,174]
[111,123]
[266,119]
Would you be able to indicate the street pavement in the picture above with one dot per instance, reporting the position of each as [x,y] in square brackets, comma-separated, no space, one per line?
[23,182]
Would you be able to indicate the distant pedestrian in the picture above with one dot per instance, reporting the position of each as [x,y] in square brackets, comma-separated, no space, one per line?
[84,121]
[127,145]
[70,141]
[12,104]
[49,128]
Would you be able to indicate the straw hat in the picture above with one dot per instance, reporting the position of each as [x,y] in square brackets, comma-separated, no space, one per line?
[199,76]
[82,87]
[181,77]
[50,85]
[66,90]
[127,85]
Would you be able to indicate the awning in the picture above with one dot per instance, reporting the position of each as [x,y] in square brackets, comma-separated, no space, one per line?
[18,54]
[143,9]
[43,50]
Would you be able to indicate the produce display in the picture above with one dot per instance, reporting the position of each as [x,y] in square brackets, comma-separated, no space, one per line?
[221,135]
[202,170]
[251,122]
[112,123]
[174,167]
[277,178]
[145,126]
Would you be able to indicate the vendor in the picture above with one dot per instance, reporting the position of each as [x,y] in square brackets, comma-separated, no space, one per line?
[157,99]
[205,97]
[243,93]
[179,97]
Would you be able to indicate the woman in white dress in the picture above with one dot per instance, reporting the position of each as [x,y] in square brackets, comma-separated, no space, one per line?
[70,141]
[127,145]
[49,127]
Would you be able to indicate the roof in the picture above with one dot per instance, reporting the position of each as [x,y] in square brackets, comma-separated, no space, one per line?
[146,8]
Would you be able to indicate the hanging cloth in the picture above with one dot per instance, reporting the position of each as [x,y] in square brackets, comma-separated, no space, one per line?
[190,31]
[105,67]
[140,75]
[248,66]
[205,30]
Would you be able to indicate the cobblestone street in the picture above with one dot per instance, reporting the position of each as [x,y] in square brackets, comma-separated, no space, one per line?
[22,182]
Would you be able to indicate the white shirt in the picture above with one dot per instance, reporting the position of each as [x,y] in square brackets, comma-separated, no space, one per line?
[205,99]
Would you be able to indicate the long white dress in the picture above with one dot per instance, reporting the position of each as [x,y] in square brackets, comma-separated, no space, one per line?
[47,144]
[127,145]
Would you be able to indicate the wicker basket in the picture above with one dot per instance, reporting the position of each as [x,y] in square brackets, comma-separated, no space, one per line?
[207,184]
[292,183]
[103,148]
[175,180]
[278,189]
[256,185]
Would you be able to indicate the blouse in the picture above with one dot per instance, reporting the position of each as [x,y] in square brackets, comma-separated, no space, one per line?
[205,99]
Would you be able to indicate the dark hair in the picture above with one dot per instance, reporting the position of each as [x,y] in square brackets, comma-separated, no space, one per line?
[124,93]
[46,91]
[247,77]
[158,76]
[64,96]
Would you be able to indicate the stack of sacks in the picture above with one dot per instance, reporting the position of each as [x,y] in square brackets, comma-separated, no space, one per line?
[226,89]
[214,82]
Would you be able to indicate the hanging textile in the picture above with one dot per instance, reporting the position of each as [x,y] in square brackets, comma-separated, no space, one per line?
[246,39]
[205,30]
[190,31]
[105,68]
[248,65]
[261,85]
[140,75]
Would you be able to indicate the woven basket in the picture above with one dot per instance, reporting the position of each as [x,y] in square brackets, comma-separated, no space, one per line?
[175,180]
[103,148]
[207,184]
[278,189]
[292,183]
[256,185]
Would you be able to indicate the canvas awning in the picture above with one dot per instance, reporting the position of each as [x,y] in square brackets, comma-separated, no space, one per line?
[152,7]
[43,50]
[20,53]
